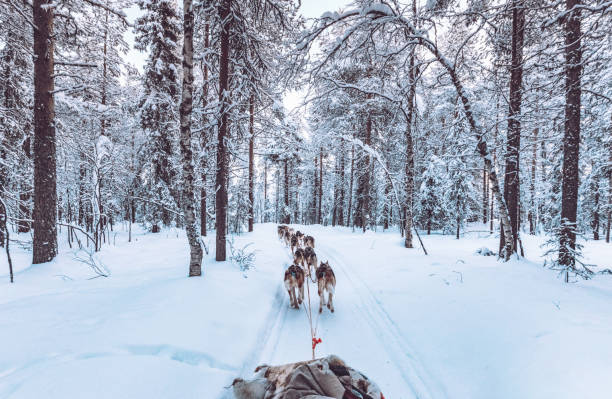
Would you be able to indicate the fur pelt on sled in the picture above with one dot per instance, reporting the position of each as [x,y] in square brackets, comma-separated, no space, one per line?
[327,377]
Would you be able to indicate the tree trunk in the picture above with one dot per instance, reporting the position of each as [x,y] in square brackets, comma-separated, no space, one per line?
[409,167]
[350,193]
[335,199]
[222,156]
[485,196]
[595,220]
[511,176]
[315,190]
[340,204]
[188,197]
[265,187]
[458,221]
[251,161]
[286,213]
[203,140]
[44,243]
[278,218]
[609,226]
[319,218]
[362,195]
[533,206]
[571,136]
[24,197]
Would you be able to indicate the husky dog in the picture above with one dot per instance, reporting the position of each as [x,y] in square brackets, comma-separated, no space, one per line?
[326,281]
[298,258]
[281,231]
[287,237]
[295,243]
[310,259]
[294,282]
[300,237]
[309,241]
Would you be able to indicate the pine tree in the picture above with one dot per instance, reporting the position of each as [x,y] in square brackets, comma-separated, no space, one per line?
[158,30]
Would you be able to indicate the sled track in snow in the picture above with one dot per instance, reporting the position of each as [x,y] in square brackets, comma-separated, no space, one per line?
[413,373]
[268,335]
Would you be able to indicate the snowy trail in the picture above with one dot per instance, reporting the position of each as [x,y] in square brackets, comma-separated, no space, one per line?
[360,331]
[388,335]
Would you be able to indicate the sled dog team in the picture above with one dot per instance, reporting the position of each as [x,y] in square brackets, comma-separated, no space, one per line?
[304,263]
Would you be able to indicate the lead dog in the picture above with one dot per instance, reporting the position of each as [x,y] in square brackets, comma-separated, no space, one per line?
[281,231]
[326,281]
[294,283]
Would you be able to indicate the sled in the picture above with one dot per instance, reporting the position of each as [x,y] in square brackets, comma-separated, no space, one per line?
[323,378]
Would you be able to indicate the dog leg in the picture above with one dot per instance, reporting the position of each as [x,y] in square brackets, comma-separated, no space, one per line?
[290,297]
[302,292]
[321,301]
[330,304]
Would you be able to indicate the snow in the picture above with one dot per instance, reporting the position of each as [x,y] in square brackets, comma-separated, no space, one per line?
[454,324]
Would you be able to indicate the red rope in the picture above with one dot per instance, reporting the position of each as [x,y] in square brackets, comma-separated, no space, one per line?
[315,342]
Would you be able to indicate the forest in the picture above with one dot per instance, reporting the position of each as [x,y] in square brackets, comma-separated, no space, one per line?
[463,141]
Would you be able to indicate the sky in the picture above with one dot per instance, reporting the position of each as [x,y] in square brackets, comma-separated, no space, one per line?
[309,9]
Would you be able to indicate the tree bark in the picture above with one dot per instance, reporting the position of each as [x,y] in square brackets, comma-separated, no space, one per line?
[485,196]
[595,216]
[571,136]
[203,140]
[350,193]
[340,205]
[222,156]
[188,197]
[315,190]
[533,206]
[24,197]
[44,243]
[265,187]
[319,217]
[286,213]
[511,176]
[409,167]
[609,226]
[251,161]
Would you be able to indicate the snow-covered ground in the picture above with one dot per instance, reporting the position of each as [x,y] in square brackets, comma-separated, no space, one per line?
[449,325]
